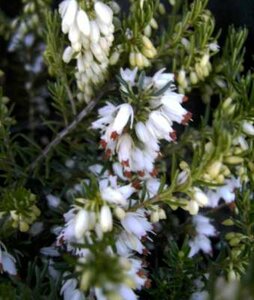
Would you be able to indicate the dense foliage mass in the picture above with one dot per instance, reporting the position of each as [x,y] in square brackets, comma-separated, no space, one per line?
[126,153]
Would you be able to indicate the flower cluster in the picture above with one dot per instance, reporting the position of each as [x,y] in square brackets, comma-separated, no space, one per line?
[141,58]
[14,209]
[133,131]
[90,220]
[91,40]
[225,192]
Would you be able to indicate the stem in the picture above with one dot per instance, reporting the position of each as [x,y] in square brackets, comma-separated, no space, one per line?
[62,134]
[70,96]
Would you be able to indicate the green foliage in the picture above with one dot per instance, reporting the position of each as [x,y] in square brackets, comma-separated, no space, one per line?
[174,277]
[55,155]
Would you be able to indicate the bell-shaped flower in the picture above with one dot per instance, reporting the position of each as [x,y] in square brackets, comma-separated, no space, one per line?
[106,220]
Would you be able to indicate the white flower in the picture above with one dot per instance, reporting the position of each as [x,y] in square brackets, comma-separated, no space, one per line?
[113,196]
[81,223]
[53,201]
[192,207]
[124,149]
[248,128]
[7,263]
[69,290]
[106,220]
[136,223]
[95,32]
[137,151]
[128,242]
[203,230]
[200,242]
[127,293]
[103,12]
[68,54]
[142,132]
[159,126]
[203,226]
[153,186]
[172,108]
[125,112]
[83,22]
[68,10]
[90,43]
[129,75]
[225,192]
[200,197]
[160,79]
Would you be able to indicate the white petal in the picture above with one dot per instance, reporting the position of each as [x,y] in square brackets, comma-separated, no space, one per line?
[8,262]
[83,22]
[106,220]
[94,32]
[70,14]
[82,221]
[103,12]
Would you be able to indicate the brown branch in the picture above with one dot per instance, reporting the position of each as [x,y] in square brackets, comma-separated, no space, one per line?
[62,134]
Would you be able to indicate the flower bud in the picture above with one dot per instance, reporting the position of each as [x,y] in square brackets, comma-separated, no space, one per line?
[147,42]
[154,217]
[139,60]
[148,31]
[103,12]
[200,197]
[182,79]
[154,24]
[162,214]
[114,58]
[193,77]
[85,280]
[162,9]
[132,59]
[204,60]
[119,213]
[83,22]
[23,226]
[67,55]
[193,207]
[227,103]
[106,220]
[214,169]
[149,52]
[233,160]
[81,225]
[228,222]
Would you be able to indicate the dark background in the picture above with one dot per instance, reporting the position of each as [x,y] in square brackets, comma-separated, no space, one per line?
[227,12]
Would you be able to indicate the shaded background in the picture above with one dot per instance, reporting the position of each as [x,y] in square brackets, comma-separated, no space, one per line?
[237,12]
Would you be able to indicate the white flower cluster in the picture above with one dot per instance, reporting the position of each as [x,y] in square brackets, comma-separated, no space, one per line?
[91,39]
[134,133]
[86,224]
[201,241]
[201,69]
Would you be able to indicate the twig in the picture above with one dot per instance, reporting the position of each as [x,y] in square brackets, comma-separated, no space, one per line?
[69,128]
[71,99]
